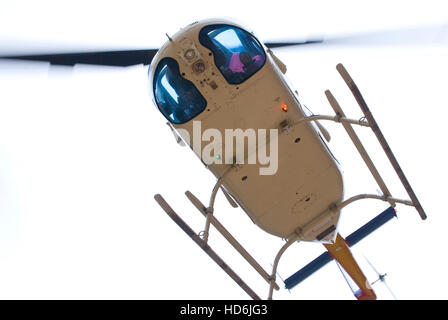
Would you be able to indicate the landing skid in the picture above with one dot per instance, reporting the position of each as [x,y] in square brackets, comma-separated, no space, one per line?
[379,135]
[204,246]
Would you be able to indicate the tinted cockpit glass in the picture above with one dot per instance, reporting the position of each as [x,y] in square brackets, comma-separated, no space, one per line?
[177,98]
[238,55]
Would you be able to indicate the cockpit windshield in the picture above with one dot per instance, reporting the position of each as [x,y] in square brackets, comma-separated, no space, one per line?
[238,54]
[177,98]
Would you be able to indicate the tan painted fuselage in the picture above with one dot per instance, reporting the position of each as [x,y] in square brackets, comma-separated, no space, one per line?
[296,199]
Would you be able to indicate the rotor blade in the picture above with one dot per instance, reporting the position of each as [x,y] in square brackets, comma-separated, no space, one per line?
[278,44]
[379,274]
[353,287]
[419,35]
[393,295]
[122,58]
[423,35]
[434,34]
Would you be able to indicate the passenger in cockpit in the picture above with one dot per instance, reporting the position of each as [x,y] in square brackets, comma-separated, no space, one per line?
[241,65]
[251,64]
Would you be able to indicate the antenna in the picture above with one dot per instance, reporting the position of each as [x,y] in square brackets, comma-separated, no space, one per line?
[381,277]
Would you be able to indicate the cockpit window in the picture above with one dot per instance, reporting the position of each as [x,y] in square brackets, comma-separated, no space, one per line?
[238,55]
[177,98]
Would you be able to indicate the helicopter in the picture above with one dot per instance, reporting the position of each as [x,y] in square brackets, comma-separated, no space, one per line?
[218,75]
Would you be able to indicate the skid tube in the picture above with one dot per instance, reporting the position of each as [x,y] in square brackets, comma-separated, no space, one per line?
[204,246]
[381,139]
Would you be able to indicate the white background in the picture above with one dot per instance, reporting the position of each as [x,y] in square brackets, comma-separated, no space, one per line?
[84,150]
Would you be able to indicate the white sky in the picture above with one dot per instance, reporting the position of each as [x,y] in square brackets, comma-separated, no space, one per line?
[83,151]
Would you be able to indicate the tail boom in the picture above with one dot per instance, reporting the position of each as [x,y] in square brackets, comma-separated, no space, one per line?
[340,251]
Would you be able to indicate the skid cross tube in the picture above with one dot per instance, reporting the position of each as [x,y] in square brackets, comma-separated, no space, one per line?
[277,260]
[330,118]
[204,246]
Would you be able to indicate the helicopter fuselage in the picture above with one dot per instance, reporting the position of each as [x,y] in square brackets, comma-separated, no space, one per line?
[214,77]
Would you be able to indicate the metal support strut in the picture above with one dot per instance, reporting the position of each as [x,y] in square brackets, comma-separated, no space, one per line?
[210,209]
[228,236]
